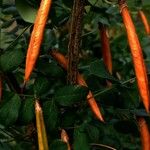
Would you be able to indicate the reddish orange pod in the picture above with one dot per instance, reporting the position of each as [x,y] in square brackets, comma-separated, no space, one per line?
[144,133]
[145,22]
[106,53]
[36,37]
[137,55]
[90,98]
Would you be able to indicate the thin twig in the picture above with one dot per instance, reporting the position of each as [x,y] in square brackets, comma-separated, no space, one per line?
[111,88]
[13,42]
[102,145]
[110,2]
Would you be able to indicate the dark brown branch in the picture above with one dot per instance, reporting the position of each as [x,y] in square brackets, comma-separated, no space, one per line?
[75,40]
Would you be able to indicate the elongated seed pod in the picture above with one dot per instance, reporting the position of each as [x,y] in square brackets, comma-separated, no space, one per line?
[144,133]
[65,138]
[36,37]
[145,22]
[91,100]
[137,56]
[106,53]
[42,137]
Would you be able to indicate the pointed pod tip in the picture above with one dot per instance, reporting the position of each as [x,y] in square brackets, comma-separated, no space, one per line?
[101,119]
[26,77]
[37,106]
[148,111]
[64,136]
[147,108]
[24,82]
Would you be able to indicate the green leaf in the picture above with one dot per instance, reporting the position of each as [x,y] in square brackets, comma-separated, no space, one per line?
[10,60]
[11,10]
[50,111]
[6,39]
[126,127]
[4,146]
[68,95]
[129,96]
[23,145]
[49,69]
[80,139]
[146,46]
[68,3]
[4,135]
[145,2]
[95,3]
[49,40]
[26,114]
[93,132]
[104,21]
[59,14]
[41,86]
[58,145]
[9,110]
[112,10]
[68,119]
[98,69]
[8,23]
[26,11]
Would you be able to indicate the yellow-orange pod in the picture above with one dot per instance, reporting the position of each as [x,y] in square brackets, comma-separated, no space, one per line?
[41,131]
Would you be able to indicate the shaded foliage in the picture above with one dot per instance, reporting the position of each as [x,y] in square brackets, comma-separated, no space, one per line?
[65,106]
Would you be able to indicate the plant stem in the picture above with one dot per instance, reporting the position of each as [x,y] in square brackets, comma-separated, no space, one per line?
[112,87]
[75,40]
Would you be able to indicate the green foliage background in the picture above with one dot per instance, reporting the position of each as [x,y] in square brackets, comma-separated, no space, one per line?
[65,106]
